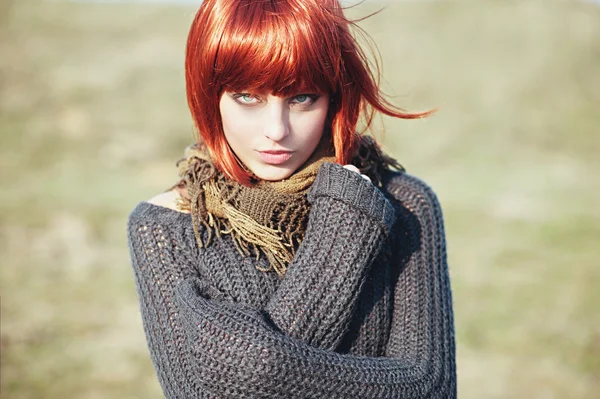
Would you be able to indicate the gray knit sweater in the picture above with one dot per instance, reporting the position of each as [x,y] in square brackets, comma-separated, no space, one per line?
[364,310]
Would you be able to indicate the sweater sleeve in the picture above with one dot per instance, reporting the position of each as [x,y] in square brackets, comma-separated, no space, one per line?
[242,355]
[349,220]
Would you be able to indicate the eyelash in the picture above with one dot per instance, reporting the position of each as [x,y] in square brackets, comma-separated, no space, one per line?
[238,96]
[312,98]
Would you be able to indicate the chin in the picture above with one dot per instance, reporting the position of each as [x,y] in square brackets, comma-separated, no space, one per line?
[273,173]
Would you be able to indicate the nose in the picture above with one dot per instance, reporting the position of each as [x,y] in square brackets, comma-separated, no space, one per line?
[276,124]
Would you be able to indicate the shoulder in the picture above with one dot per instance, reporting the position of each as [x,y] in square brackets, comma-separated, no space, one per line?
[154,228]
[168,199]
[410,191]
[159,210]
[418,211]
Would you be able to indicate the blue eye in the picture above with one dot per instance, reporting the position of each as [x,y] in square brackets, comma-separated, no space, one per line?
[246,98]
[304,99]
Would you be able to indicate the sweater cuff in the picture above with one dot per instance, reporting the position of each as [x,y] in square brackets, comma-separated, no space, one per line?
[337,182]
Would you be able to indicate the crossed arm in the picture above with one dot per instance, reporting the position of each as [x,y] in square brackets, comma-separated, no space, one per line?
[204,346]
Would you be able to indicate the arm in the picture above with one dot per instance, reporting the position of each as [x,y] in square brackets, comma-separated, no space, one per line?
[349,220]
[422,326]
[162,257]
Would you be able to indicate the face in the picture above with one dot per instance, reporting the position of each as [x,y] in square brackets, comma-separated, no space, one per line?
[273,136]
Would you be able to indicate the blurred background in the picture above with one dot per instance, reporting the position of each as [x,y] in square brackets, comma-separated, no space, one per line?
[93,117]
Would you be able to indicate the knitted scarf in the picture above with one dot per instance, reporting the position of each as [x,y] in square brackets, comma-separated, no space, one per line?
[271,216]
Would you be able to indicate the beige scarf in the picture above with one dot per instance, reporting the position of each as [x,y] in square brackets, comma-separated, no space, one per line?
[269,217]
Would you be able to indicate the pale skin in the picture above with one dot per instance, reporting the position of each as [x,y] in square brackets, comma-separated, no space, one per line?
[257,122]
[253,123]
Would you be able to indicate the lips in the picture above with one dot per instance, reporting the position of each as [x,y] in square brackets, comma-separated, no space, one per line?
[275,157]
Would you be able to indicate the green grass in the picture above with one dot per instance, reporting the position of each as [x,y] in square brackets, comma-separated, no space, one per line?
[93,117]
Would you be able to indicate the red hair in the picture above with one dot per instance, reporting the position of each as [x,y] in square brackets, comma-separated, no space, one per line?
[285,47]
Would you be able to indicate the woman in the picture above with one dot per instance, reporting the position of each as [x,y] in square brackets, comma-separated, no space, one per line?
[270,270]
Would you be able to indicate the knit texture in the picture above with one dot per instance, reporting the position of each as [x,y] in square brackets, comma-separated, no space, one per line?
[364,310]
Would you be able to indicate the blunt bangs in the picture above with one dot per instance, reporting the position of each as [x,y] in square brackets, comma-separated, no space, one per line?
[273,46]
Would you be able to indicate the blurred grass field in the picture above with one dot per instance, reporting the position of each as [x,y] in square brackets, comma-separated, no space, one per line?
[93,116]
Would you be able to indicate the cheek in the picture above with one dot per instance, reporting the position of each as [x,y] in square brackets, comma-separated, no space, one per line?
[236,125]
[311,125]
[231,128]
